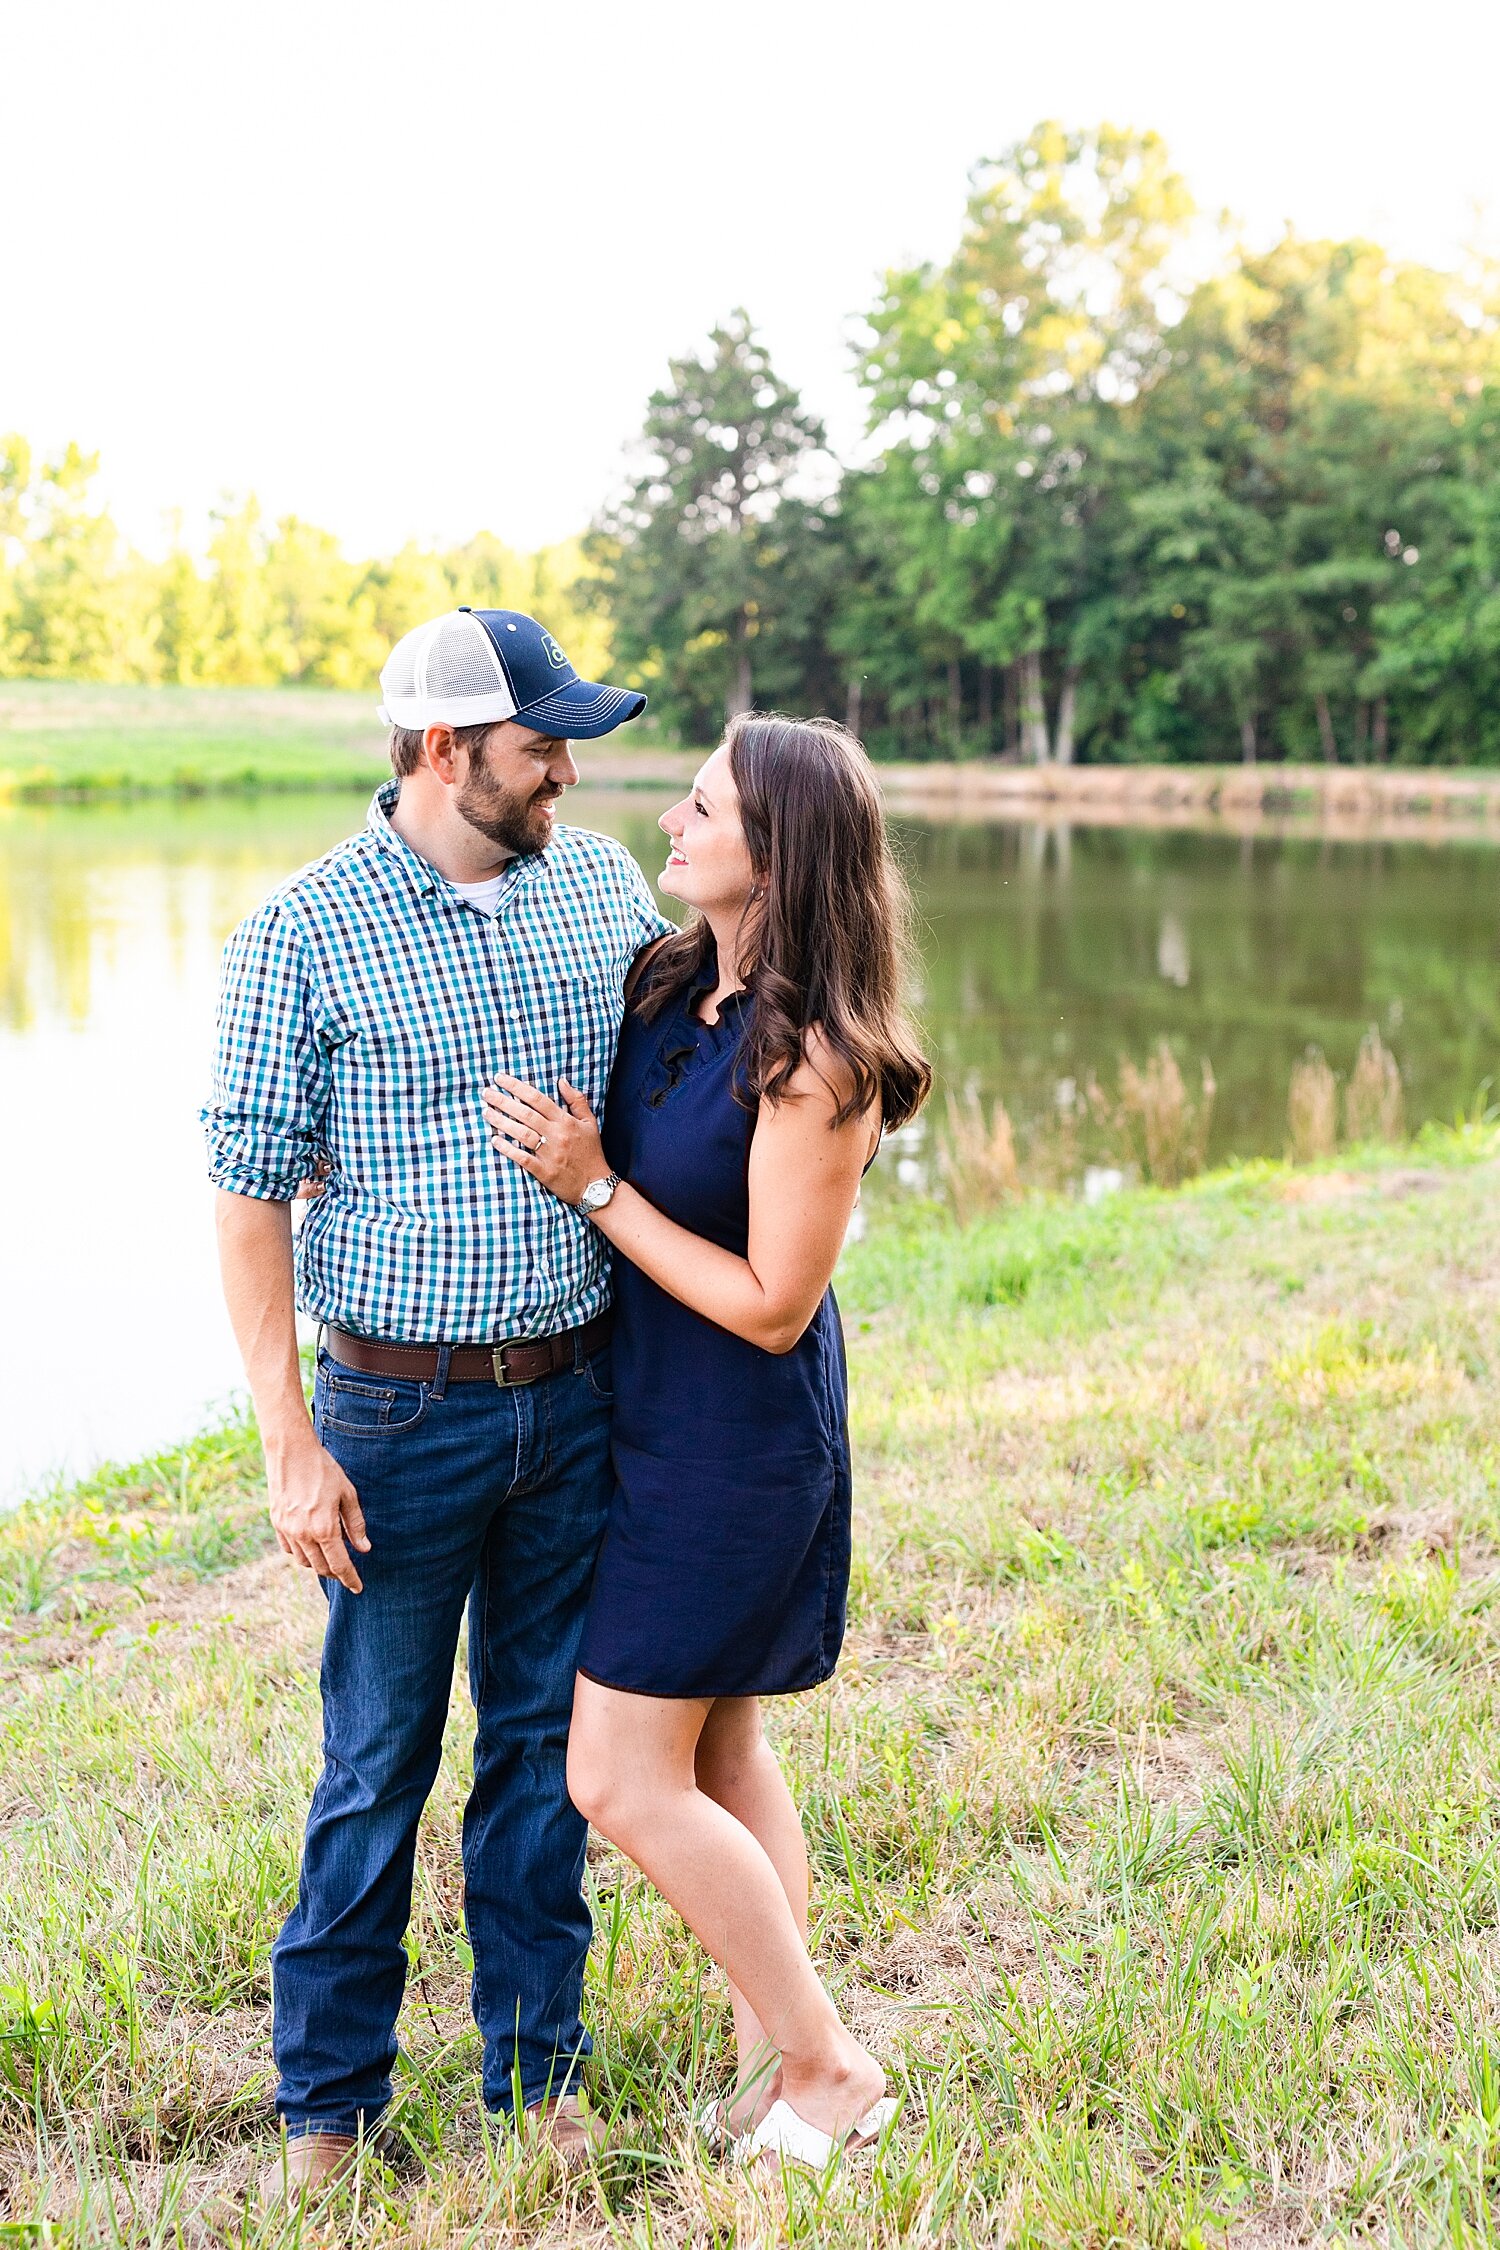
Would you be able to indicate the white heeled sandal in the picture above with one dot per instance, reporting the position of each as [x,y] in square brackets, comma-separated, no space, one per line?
[713,2122]
[782,2133]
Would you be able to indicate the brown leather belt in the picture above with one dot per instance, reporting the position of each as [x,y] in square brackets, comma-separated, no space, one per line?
[505,1364]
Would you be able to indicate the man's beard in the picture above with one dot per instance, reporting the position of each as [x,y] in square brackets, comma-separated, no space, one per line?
[513,822]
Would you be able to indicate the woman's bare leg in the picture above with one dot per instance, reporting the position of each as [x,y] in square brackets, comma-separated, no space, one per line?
[737,1767]
[631,1771]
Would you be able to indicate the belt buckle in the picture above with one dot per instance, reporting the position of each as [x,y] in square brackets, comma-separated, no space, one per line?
[497,1361]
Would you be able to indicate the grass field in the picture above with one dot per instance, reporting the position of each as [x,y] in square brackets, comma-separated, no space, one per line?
[59,739]
[1153,1811]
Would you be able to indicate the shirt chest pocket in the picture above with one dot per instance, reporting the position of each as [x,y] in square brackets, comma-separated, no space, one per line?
[563,1020]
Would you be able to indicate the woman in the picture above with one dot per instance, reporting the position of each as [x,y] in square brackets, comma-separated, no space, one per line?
[764,1051]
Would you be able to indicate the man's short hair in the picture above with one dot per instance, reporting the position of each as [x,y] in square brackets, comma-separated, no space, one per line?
[406,745]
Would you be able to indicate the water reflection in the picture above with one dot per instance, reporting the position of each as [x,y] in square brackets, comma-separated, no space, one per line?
[103,905]
[1048,950]
[1046,961]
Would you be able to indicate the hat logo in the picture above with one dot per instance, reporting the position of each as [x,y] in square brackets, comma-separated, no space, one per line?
[555,655]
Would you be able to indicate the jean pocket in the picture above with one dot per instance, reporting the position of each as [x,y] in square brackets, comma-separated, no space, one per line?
[361,1408]
[598,1373]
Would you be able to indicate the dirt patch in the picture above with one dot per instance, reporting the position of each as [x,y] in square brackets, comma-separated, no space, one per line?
[267,1601]
[1322,1187]
[1286,2223]
[1340,1187]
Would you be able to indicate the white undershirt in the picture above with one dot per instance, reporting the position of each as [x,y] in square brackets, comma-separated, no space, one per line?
[485,895]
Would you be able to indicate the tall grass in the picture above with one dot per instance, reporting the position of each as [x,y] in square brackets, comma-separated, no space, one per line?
[978,1159]
[1312,1109]
[1153,1129]
[1154,1809]
[1373,1103]
[1150,1127]
[1160,1125]
[1374,1106]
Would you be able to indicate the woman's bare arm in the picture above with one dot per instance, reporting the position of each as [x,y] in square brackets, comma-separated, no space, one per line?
[804,1179]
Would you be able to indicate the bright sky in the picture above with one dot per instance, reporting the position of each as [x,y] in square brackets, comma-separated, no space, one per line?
[412,267]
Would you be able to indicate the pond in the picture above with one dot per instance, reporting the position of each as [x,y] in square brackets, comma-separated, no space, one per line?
[1047,954]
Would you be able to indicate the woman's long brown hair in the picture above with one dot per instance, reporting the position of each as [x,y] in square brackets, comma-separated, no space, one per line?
[829,935]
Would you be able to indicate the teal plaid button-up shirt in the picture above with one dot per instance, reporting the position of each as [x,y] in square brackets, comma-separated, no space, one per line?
[362,1008]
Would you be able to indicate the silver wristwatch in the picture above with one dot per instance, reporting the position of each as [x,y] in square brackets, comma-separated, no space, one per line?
[598,1193]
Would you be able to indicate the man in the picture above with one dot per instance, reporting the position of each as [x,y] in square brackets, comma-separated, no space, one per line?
[458,1446]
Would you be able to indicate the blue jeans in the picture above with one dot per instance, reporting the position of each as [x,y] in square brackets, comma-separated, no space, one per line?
[494,1497]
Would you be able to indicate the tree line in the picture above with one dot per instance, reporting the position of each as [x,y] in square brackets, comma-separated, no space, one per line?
[1104,515]
[267,603]
[1101,511]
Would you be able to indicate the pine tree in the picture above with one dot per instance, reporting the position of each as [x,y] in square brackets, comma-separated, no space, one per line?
[716,560]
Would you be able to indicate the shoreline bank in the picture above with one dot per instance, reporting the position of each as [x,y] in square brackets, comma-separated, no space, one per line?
[1353,802]
[1344,803]
[294,769]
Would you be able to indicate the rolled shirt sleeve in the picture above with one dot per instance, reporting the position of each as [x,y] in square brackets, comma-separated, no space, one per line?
[265,1122]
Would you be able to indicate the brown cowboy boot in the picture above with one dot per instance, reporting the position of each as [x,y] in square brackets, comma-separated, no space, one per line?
[574,2133]
[307,2165]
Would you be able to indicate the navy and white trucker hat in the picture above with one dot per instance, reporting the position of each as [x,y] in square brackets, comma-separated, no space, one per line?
[474,666]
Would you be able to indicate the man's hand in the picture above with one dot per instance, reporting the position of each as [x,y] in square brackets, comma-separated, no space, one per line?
[314,1507]
[315,1510]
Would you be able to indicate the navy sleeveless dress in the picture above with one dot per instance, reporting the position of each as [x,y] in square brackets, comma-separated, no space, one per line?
[725,1564]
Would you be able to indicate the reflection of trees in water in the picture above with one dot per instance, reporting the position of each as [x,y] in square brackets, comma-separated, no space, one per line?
[46,939]
[1042,967]
[130,899]
[1048,949]
[111,905]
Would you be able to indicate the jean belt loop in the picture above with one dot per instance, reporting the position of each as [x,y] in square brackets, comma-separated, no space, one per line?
[440,1376]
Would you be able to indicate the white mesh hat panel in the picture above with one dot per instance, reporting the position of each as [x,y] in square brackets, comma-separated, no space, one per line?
[445,673]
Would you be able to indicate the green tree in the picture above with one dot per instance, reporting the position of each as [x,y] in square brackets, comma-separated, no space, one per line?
[320,622]
[1435,621]
[407,587]
[261,606]
[239,607]
[715,563]
[77,606]
[15,478]
[1307,408]
[993,381]
[183,604]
